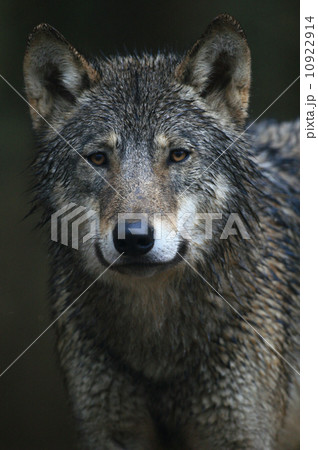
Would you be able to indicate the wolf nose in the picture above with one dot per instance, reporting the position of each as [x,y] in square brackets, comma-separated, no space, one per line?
[134,243]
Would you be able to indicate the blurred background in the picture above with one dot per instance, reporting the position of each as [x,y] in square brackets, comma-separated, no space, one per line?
[33,410]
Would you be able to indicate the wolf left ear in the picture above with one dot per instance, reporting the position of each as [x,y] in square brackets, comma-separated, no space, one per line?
[218,67]
[55,73]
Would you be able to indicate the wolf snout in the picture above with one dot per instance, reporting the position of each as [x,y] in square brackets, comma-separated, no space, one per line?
[133,239]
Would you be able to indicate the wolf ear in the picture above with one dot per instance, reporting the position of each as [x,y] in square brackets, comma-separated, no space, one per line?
[218,67]
[55,73]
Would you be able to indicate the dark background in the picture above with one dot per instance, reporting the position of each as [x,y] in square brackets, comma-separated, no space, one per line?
[33,408]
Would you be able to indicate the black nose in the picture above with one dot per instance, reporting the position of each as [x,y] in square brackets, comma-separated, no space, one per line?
[134,243]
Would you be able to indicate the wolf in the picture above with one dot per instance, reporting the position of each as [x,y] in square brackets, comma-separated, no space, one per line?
[179,340]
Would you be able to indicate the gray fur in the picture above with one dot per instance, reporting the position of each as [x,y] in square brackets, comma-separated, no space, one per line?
[161,361]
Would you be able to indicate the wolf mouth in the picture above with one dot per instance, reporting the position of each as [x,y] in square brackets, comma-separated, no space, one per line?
[140,265]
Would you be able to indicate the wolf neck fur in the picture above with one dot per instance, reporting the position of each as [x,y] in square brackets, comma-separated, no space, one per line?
[148,323]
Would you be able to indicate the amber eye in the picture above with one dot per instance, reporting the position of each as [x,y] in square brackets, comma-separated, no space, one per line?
[178,155]
[98,159]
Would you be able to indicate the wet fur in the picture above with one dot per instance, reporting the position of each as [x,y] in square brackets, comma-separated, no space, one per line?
[162,362]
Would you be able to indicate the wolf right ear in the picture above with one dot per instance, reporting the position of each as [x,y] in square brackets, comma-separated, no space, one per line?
[55,73]
[218,68]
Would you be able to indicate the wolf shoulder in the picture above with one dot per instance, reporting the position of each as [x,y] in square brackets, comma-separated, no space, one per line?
[276,148]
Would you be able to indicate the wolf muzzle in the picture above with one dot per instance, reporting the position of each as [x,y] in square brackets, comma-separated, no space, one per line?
[134,243]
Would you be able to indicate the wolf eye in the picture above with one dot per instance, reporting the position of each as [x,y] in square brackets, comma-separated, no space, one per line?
[98,159]
[178,155]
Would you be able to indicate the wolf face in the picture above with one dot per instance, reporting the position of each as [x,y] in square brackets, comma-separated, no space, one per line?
[142,136]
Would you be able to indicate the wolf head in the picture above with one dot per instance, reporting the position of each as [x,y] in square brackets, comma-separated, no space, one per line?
[143,141]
